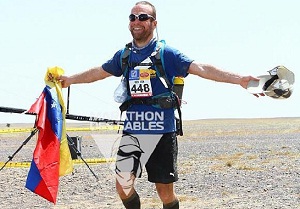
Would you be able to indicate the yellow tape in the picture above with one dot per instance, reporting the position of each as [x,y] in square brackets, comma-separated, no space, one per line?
[16,164]
[99,128]
[95,160]
[76,162]
[15,130]
[23,130]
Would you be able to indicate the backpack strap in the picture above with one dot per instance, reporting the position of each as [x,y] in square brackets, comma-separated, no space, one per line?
[159,65]
[125,57]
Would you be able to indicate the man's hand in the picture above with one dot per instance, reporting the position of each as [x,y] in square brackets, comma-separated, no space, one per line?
[244,83]
[65,81]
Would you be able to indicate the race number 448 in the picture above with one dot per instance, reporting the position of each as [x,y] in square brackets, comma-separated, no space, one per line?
[139,83]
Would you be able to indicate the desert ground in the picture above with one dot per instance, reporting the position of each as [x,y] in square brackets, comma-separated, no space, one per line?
[223,163]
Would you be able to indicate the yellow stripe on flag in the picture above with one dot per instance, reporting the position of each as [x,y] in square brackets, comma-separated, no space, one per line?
[65,163]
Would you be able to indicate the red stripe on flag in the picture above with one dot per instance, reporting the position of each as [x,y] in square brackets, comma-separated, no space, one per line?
[43,190]
[47,152]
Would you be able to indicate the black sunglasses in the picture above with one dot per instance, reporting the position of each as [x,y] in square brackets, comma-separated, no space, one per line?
[140,17]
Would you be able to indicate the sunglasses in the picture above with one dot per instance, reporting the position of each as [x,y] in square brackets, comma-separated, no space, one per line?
[140,17]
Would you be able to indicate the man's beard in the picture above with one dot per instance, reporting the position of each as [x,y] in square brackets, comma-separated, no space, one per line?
[141,37]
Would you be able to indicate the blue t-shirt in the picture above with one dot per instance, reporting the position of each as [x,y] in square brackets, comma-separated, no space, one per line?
[147,119]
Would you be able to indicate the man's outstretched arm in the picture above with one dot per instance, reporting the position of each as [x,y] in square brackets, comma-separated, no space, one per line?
[213,73]
[89,76]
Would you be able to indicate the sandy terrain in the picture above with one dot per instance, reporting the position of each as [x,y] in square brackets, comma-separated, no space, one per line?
[228,163]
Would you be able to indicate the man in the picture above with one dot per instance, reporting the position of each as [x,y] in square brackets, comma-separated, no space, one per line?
[144,118]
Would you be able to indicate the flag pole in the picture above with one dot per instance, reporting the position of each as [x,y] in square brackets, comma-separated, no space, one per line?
[68,99]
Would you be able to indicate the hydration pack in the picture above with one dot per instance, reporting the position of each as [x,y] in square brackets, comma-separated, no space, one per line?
[171,99]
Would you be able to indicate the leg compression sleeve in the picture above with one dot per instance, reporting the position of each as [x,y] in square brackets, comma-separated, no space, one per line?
[132,202]
[172,205]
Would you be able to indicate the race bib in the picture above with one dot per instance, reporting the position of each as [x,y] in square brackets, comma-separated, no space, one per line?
[139,83]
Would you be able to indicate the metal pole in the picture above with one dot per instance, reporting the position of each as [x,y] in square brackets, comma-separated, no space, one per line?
[79,154]
[68,116]
[68,99]
[24,143]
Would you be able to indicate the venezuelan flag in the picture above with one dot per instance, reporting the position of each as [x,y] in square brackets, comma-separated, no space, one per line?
[51,157]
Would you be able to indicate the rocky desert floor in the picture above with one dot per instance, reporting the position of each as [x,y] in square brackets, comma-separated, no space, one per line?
[223,163]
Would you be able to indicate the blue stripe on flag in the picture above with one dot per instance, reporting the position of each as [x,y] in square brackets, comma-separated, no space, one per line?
[33,178]
[54,112]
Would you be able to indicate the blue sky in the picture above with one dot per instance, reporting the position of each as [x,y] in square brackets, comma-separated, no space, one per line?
[246,37]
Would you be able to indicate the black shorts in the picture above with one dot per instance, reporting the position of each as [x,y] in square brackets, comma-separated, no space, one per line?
[161,165]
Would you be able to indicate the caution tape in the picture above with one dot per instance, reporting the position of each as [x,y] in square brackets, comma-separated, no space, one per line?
[75,162]
[15,130]
[16,164]
[99,128]
[95,160]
